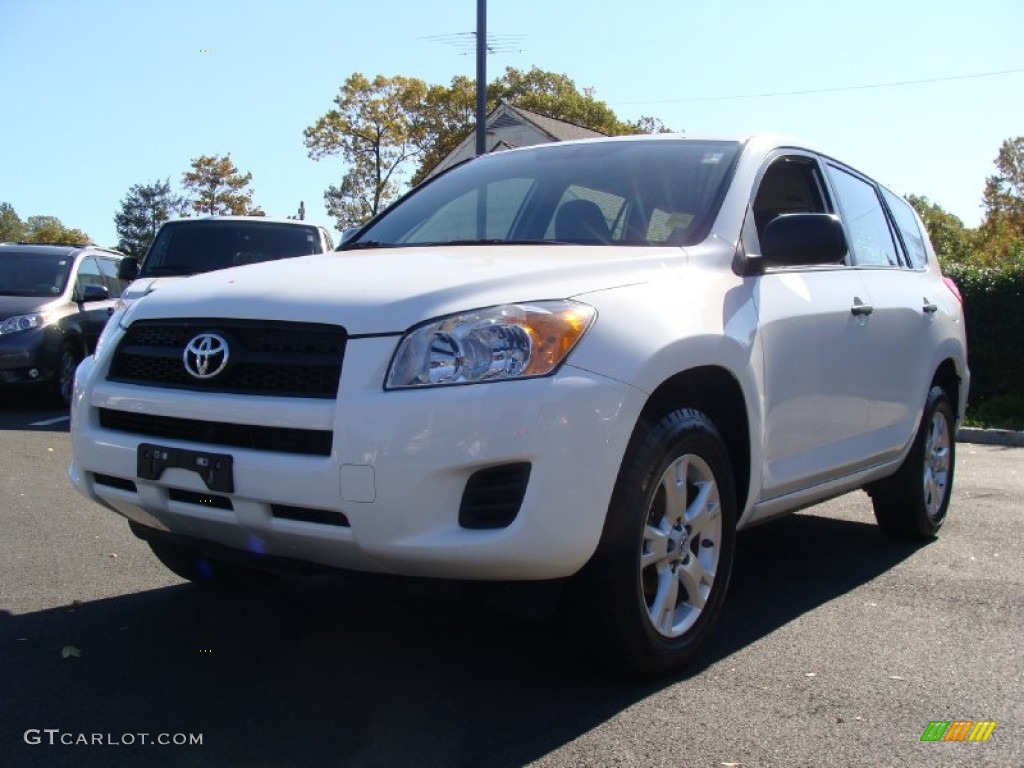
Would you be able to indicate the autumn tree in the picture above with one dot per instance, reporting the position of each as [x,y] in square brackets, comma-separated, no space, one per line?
[1002,230]
[215,187]
[12,228]
[392,130]
[952,241]
[49,229]
[372,128]
[143,210]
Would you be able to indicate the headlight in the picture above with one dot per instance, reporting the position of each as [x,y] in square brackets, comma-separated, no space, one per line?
[23,323]
[513,341]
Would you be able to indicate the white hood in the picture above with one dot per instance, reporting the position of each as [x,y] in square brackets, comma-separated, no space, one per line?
[390,290]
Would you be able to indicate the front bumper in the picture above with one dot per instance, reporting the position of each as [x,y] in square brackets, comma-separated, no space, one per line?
[29,357]
[397,470]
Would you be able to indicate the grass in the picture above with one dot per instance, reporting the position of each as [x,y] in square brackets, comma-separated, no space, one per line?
[997,412]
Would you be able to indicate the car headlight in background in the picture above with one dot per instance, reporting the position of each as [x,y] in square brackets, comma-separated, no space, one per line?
[23,323]
[512,341]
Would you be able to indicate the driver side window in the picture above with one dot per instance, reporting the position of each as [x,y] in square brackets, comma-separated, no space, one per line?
[789,185]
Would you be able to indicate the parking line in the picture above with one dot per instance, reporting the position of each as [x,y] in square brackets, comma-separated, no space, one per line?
[50,422]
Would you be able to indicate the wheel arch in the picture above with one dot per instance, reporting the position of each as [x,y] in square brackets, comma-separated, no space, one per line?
[948,377]
[716,392]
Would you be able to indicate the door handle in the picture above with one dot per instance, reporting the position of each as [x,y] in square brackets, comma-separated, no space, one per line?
[860,309]
[929,308]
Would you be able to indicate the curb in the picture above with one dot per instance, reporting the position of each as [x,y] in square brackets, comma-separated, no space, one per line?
[990,436]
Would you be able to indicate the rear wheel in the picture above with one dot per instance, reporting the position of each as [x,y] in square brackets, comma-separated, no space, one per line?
[653,591]
[912,504]
[208,571]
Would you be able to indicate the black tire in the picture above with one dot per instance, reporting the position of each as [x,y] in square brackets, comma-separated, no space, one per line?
[912,504]
[209,571]
[64,378]
[631,611]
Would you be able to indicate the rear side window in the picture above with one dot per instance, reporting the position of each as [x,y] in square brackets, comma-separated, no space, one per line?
[910,231]
[871,240]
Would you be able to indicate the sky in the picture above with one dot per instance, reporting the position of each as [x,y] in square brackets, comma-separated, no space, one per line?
[100,95]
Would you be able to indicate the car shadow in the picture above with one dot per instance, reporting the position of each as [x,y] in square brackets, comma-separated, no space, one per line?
[364,671]
[31,409]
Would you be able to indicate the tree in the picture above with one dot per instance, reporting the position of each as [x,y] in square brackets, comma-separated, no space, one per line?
[143,210]
[1002,231]
[12,228]
[951,240]
[49,229]
[389,129]
[217,188]
[372,128]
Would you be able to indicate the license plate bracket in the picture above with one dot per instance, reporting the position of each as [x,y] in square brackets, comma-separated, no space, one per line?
[215,469]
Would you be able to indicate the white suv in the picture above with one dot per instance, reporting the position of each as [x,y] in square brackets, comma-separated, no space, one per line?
[593,359]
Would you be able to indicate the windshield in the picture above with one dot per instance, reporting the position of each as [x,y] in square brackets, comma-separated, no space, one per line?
[653,192]
[190,247]
[33,274]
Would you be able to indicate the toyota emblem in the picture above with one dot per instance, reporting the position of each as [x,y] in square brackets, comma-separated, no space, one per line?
[206,355]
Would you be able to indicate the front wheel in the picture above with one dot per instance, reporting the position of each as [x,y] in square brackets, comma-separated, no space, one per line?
[653,591]
[912,504]
[64,382]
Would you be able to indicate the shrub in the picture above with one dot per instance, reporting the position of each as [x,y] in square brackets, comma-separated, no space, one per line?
[994,310]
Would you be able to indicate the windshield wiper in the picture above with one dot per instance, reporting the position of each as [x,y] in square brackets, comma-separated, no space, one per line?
[361,244]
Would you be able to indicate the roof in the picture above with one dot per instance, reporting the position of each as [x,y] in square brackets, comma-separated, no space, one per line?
[66,249]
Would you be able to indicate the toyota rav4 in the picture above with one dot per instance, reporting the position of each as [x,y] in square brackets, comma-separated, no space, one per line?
[592,361]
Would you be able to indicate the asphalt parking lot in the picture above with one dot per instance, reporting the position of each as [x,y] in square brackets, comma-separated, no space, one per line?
[837,648]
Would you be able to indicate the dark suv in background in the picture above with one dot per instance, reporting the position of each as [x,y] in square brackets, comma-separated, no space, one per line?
[54,302]
[191,246]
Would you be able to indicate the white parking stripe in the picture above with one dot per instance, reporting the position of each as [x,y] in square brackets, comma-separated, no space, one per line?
[50,422]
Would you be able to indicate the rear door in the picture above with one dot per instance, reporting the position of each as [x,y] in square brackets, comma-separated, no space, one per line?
[901,333]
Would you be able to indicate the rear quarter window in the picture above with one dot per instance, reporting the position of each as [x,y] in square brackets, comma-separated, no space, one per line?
[909,229]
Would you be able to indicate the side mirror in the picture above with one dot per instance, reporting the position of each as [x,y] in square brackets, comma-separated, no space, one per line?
[128,269]
[803,239]
[93,293]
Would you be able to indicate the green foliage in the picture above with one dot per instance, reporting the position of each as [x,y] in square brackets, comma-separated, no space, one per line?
[952,241]
[12,228]
[143,210]
[49,229]
[217,188]
[993,297]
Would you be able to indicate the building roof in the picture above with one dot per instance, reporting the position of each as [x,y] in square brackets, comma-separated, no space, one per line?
[507,116]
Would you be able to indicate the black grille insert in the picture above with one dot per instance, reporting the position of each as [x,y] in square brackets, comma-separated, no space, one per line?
[308,515]
[265,357]
[313,442]
[492,496]
[110,481]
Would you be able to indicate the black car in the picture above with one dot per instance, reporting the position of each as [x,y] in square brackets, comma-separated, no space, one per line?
[54,302]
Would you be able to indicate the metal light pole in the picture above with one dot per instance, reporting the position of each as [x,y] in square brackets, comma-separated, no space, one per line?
[481,77]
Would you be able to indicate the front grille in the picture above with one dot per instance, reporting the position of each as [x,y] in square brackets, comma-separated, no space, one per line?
[492,496]
[313,442]
[266,357]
